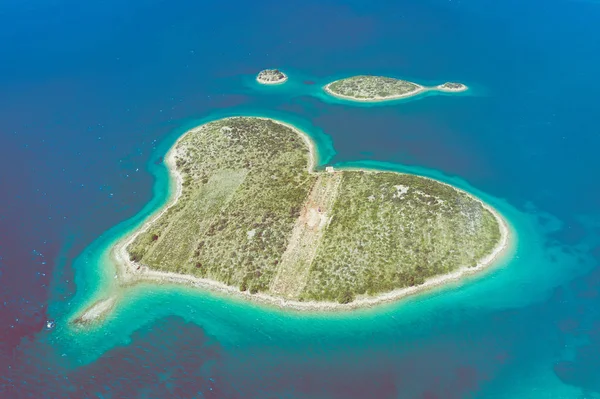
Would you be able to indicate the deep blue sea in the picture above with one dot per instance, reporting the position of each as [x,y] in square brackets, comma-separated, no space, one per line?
[92,94]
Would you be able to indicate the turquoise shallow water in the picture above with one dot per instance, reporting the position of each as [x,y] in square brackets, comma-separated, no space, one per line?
[241,326]
[238,323]
[300,84]
[93,94]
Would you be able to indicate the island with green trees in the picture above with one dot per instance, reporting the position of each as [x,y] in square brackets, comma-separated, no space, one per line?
[251,216]
[271,76]
[368,88]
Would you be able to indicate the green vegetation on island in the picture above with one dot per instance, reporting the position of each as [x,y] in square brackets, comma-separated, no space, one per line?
[393,230]
[271,76]
[253,215]
[452,86]
[381,88]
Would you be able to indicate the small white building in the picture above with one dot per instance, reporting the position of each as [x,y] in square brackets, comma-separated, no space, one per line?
[329,169]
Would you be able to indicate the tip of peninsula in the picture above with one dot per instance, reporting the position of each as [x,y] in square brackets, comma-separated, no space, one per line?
[453,87]
[271,76]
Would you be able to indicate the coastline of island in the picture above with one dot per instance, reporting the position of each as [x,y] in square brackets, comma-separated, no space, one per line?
[415,89]
[271,77]
[451,87]
[129,272]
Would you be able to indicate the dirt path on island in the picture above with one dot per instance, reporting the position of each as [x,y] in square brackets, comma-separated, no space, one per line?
[294,267]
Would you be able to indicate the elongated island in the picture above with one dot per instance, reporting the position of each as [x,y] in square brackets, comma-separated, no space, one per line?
[251,217]
[271,77]
[367,88]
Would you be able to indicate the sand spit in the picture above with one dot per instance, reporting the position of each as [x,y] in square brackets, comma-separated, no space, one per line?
[97,311]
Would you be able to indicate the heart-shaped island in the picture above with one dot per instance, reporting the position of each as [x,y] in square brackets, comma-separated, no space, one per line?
[252,217]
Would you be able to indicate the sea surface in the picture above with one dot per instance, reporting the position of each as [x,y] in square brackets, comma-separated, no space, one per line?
[92,95]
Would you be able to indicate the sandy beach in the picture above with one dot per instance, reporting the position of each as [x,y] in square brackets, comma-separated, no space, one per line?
[96,311]
[268,82]
[129,272]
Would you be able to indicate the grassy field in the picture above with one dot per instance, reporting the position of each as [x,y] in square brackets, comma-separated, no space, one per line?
[367,87]
[391,230]
[245,181]
[252,216]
